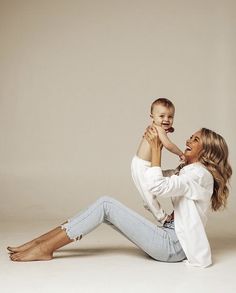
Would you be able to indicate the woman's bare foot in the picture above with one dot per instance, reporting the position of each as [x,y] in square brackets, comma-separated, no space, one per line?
[23,247]
[35,241]
[43,250]
[38,252]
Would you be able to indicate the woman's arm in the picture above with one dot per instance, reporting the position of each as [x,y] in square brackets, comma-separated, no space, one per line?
[144,150]
[151,135]
[155,144]
[138,169]
[139,166]
[188,184]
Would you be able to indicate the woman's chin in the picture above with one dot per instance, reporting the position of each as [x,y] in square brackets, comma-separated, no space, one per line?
[187,158]
[190,160]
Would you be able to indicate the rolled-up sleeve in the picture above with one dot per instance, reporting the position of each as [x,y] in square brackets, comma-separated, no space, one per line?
[189,183]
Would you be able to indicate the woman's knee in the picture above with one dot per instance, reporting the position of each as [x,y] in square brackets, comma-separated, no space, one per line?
[105,198]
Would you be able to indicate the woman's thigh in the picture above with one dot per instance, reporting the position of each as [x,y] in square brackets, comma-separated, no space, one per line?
[154,240]
[158,242]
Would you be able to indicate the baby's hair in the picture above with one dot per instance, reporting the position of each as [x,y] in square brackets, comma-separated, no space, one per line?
[164,102]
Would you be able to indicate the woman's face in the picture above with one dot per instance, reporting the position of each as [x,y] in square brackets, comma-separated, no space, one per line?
[194,147]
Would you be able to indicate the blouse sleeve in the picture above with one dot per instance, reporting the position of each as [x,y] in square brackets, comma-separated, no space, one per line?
[138,169]
[194,182]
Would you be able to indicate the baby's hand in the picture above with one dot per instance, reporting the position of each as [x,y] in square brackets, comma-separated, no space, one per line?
[182,158]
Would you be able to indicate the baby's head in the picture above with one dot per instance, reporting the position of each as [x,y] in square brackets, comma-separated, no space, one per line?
[162,113]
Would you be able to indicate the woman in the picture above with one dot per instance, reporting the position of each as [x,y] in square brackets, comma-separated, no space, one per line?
[203,181]
[193,188]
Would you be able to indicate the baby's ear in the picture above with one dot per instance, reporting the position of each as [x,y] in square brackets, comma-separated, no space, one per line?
[171,129]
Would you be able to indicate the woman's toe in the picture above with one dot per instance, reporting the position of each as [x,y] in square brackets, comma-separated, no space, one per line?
[15,256]
[12,257]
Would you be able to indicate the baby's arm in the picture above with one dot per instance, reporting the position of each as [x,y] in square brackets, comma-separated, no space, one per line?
[168,144]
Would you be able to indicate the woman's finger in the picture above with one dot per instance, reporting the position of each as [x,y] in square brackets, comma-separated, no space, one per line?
[148,136]
[151,132]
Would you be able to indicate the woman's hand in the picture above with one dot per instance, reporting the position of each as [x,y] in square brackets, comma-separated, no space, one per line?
[151,135]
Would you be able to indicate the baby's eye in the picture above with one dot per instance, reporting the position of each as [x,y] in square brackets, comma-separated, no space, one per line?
[161,116]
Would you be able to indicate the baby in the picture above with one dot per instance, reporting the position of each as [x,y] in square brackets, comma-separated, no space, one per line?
[162,114]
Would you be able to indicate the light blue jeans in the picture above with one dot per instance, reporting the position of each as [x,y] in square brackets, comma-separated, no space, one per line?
[160,243]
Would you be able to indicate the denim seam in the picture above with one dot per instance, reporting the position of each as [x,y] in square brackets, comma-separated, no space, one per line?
[106,201]
[154,230]
[131,238]
[69,228]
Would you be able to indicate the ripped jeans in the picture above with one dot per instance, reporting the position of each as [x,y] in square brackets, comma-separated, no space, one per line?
[160,243]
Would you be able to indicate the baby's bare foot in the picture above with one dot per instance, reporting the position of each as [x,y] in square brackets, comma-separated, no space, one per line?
[22,247]
[38,252]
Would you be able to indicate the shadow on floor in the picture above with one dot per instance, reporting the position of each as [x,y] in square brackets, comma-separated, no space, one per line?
[91,251]
[222,247]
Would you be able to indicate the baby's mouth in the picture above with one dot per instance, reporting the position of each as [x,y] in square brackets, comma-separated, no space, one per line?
[166,124]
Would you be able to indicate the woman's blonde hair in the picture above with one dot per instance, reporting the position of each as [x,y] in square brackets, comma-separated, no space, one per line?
[214,156]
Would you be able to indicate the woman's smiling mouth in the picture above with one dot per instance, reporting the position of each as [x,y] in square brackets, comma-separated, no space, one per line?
[188,148]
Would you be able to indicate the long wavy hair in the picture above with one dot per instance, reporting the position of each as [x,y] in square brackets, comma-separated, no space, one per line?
[214,156]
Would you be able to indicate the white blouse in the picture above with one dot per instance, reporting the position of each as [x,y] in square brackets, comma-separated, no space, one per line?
[190,190]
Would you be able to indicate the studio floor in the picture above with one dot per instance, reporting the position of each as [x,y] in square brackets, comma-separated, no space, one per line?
[104,261]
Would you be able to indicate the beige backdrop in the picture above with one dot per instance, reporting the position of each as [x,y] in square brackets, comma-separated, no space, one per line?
[76,82]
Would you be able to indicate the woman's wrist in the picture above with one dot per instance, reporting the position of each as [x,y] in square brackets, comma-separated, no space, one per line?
[156,147]
[156,151]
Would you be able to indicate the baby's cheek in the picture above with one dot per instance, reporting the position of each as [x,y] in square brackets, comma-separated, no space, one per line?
[157,120]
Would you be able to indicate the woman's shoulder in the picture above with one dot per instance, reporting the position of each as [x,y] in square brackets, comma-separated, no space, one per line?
[199,171]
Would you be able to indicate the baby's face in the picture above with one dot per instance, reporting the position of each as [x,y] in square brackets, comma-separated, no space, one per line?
[163,116]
